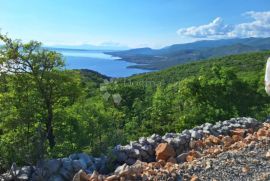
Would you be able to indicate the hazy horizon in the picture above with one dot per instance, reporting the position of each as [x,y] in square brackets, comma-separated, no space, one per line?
[125,24]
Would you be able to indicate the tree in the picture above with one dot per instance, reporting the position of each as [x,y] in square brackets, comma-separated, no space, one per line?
[37,85]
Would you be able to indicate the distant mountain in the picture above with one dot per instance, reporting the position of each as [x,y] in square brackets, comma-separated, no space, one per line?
[108,46]
[182,53]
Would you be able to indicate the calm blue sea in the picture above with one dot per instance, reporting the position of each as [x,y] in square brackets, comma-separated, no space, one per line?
[98,61]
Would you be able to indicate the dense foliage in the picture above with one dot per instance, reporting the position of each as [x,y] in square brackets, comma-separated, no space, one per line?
[90,113]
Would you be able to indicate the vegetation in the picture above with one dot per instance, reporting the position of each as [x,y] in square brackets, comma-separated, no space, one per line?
[47,111]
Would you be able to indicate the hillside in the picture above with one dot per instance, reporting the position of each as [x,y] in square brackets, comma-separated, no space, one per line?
[157,59]
[246,66]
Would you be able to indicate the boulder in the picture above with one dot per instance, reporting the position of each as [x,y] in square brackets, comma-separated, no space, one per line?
[164,151]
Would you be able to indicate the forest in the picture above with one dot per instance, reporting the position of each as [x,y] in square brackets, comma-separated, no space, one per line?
[47,111]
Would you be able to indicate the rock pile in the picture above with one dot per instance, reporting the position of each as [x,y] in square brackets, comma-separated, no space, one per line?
[241,155]
[58,169]
[144,148]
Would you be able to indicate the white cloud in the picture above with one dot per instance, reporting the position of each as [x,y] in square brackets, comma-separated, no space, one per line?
[259,26]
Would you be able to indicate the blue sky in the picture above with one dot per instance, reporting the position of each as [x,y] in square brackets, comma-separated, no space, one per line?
[133,23]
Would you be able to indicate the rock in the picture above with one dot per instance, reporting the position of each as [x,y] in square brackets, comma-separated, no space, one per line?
[164,151]
[261,132]
[84,157]
[194,178]
[57,178]
[245,169]
[137,168]
[172,160]
[67,164]
[148,149]
[214,139]
[237,138]
[195,135]
[192,155]
[53,166]
[227,141]
[238,131]
[267,154]
[161,163]
[123,170]
[130,161]
[81,176]
[112,178]
[121,156]
[39,174]
[182,158]
[66,172]
[76,165]
[94,176]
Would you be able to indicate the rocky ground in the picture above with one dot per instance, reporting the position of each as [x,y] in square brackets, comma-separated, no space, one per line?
[236,149]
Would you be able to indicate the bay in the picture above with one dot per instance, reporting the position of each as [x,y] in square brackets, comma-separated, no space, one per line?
[98,61]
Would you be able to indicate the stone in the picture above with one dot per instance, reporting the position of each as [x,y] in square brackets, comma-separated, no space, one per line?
[195,135]
[122,170]
[261,132]
[76,165]
[66,172]
[112,178]
[57,178]
[121,156]
[227,141]
[214,139]
[148,149]
[94,176]
[164,151]
[81,176]
[137,168]
[245,169]
[162,162]
[67,164]
[53,165]
[130,161]
[237,138]
[267,154]
[239,132]
[194,178]
[172,160]
[181,158]
[192,155]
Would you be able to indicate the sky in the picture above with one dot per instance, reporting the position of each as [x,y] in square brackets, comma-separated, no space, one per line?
[133,23]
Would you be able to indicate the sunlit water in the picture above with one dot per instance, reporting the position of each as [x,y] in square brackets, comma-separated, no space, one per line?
[98,61]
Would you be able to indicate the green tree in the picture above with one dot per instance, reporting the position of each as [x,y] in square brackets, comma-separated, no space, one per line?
[34,86]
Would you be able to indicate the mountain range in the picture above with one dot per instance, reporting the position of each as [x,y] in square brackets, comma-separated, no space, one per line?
[156,59]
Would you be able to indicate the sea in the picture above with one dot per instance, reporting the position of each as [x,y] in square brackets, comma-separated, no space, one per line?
[98,61]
